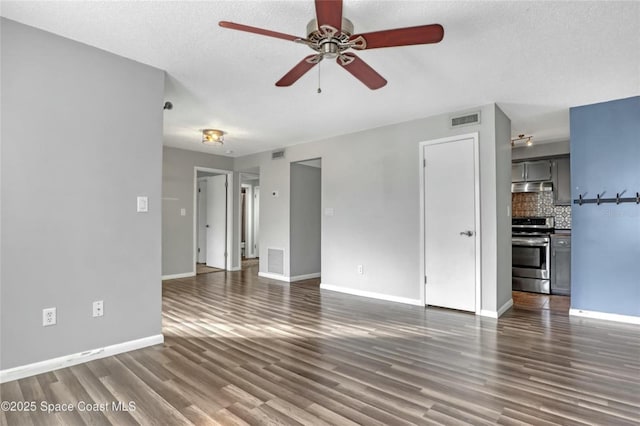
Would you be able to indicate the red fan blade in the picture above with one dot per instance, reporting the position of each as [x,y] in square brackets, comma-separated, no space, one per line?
[256,30]
[329,12]
[299,70]
[423,34]
[360,70]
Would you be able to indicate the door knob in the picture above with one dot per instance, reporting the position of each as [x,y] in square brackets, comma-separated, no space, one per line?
[207,226]
[467,233]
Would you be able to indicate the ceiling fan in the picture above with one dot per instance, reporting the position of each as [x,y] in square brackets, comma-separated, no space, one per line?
[331,36]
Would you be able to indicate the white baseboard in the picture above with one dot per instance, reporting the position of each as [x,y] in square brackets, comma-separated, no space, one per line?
[504,308]
[371,294]
[630,319]
[304,277]
[273,276]
[45,366]
[497,314]
[174,276]
[288,279]
[235,268]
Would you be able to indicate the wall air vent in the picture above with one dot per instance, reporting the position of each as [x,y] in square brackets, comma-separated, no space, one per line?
[275,261]
[468,119]
[276,155]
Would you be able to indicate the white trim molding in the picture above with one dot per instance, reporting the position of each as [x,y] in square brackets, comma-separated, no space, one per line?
[78,358]
[273,276]
[304,277]
[629,319]
[371,294]
[497,314]
[288,279]
[175,276]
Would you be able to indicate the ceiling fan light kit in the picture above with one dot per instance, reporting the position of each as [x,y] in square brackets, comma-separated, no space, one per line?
[330,35]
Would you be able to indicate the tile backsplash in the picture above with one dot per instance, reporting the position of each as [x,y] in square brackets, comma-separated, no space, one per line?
[540,204]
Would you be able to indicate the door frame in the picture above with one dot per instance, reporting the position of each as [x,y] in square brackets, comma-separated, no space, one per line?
[423,209]
[200,180]
[248,221]
[256,221]
[228,215]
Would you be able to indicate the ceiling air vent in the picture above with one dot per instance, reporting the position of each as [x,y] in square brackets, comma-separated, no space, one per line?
[276,155]
[466,120]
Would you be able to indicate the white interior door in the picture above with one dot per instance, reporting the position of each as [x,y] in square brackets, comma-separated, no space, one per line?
[216,221]
[202,220]
[256,220]
[450,218]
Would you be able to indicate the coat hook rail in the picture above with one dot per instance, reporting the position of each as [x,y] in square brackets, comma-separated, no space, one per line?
[600,200]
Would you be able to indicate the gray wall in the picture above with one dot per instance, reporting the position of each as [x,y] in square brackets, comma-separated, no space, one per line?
[371,180]
[503,197]
[81,138]
[306,217]
[178,193]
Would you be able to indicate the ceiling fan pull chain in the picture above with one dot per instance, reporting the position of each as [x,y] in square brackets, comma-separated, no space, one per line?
[319,89]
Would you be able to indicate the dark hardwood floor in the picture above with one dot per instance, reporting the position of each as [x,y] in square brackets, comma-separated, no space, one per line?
[537,302]
[244,350]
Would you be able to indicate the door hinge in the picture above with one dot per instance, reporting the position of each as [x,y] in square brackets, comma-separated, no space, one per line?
[226,184]
[425,279]
[199,190]
[198,249]
[424,162]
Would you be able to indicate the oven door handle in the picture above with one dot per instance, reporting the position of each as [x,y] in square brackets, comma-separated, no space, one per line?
[528,242]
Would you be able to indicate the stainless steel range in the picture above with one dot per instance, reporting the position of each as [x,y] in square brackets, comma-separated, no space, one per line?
[530,246]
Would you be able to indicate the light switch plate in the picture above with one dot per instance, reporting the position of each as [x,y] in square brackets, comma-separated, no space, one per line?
[143,204]
[183,212]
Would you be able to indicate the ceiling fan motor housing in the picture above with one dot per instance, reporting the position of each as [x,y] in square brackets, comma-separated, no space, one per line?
[328,41]
[347,29]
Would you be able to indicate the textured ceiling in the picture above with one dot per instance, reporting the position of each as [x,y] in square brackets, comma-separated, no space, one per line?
[535,59]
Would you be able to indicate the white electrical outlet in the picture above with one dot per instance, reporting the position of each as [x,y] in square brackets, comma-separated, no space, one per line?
[49,317]
[98,308]
[360,270]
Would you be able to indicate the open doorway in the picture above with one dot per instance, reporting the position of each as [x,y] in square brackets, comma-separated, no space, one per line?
[212,227]
[249,219]
[305,220]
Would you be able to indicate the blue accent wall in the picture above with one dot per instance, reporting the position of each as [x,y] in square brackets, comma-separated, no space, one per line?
[605,257]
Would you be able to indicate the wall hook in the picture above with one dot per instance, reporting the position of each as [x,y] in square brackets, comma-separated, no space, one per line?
[580,200]
[598,199]
[617,198]
[637,197]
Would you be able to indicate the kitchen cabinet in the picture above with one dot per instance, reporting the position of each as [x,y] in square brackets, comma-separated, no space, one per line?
[560,268]
[561,173]
[517,172]
[531,171]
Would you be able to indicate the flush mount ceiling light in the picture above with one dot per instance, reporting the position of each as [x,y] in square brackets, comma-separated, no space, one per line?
[522,140]
[212,137]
